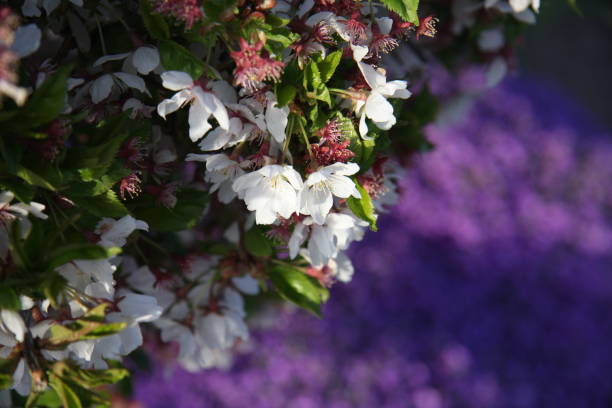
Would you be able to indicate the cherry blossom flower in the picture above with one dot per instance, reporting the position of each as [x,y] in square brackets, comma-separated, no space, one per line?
[204,103]
[221,171]
[270,192]
[316,198]
[375,106]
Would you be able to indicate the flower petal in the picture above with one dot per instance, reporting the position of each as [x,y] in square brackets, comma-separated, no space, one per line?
[173,104]
[176,80]
[145,60]
[101,88]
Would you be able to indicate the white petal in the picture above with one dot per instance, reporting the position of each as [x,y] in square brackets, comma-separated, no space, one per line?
[225,92]
[363,127]
[276,121]
[13,322]
[145,59]
[343,187]
[318,202]
[519,5]
[101,88]
[378,108]
[496,71]
[171,105]
[385,24]
[359,52]
[297,239]
[246,284]
[215,140]
[133,81]
[213,105]
[198,121]
[30,8]
[372,76]
[131,339]
[27,40]
[176,80]
[110,57]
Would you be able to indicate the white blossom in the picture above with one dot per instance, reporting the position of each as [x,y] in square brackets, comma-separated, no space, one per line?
[221,171]
[376,107]
[204,103]
[270,192]
[316,198]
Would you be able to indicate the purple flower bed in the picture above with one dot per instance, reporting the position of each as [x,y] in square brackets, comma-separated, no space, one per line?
[488,286]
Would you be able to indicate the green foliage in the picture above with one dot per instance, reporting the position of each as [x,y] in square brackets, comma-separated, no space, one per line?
[89,327]
[363,207]
[45,104]
[71,252]
[257,243]
[154,23]
[299,288]
[186,214]
[175,57]
[9,299]
[407,9]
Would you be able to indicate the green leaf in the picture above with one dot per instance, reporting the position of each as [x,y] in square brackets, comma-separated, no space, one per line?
[96,378]
[328,66]
[363,207]
[186,214]
[53,286]
[364,149]
[312,76]
[285,94]
[48,399]
[154,23]
[407,9]
[299,288]
[104,205]
[32,178]
[322,94]
[9,299]
[46,103]
[67,253]
[175,57]
[66,395]
[89,327]
[257,243]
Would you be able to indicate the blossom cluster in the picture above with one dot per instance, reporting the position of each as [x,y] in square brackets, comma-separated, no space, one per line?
[181,162]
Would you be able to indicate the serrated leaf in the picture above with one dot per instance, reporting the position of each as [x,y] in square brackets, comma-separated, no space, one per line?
[407,9]
[363,207]
[154,23]
[285,94]
[33,178]
[328,66]
[175,57]
[299,288]
[46,103]
[103,205]
[257,243]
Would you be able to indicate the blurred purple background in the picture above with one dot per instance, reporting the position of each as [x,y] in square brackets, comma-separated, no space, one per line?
[487,286]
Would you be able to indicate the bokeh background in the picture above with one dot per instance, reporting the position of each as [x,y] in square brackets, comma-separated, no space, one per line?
[488,285]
